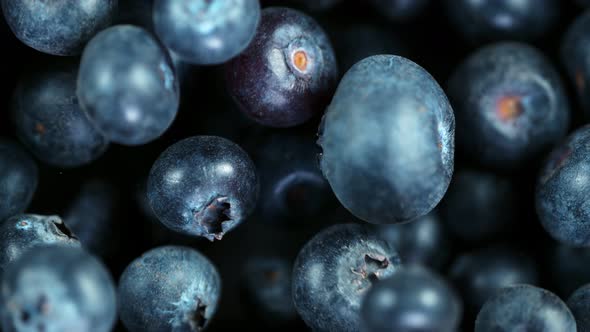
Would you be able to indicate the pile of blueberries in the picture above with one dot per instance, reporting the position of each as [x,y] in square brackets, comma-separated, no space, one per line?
[325,165]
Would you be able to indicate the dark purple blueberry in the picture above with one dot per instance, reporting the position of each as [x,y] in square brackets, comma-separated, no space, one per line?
[334,270]
[579,304]
[388,140]
[563,189]
[18,179]
[203,186]
[400,10]
[509,105]
[575,52]
[288,72]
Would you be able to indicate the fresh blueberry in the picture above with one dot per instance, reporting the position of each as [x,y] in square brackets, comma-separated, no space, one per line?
[206,31]
[400,10]
[334,270]
[18,179]
[57,289]
[21,233]
[479,205]
[525,308]
[412,300]
[59,27]
[570,268]
[51,123]
[288,72]
[169,288]
[490,20]
[563,188]
[128,85]
[575,51]
[509,104]
[388,140]
[579,304]
[203,186]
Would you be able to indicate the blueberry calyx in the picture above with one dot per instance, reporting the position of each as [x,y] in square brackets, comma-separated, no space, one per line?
[212,217]
[370,269]
[197,319]
[60,228]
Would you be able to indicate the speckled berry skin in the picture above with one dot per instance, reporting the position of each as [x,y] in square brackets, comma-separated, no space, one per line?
[288,72]
[21,233]
[412,300]
[388,140]
[334,270]
[18,179]
[509,105]
[50,122]
[169,288]
[58,27]
[57,289]
[206,31]
[400,10]
[575,51]
[579,304]
[525,308]
[490,20]
[128,85]
[203,186]
[563,188]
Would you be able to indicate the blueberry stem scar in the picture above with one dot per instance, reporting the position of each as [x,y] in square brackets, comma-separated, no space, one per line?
[213,215]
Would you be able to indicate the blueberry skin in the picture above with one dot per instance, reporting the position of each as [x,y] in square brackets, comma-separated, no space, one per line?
[18,179]
[203,186]
[334,270]
[288,72]
[58,27]
[579,304]
[206,32]
[525,308]
[128,85]
[50,122]
[412,300]
[479,205]
[21,233]
[423,241]
[494,20]
[388,140]
[481,274]
[170,288]
[400,10]
[574,56]
[57,289]
[509,104]
[562,190]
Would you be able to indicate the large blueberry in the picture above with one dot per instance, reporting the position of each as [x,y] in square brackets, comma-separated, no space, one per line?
[203,186]
[128,85]
[563,189]
[51,123]
[525,308]
[509,104]
[18,179]
[334,270]
[56,289]
[388,140]
[168,288]
[412,300]
[575,55]
[206,31]
[288,72]
[59,27]
[579,304]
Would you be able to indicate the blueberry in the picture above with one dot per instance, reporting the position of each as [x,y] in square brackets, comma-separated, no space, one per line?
[334,270]
[575,51]
[579,304]
[128,85]
[23,232]
[509,104]
[412,300]
[388,140]
[49,120]
[203,186]
[489,20]
[423,241]
[57,289]
[206,31]
[18,179]
[563,188]
[479,205]
[400,10]
[169,288]
[59,27]
[525,308]
[288,72]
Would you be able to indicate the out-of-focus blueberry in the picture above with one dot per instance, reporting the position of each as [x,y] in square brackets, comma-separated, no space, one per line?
[388,140]
[579,304]
[18,179]
[575,55]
